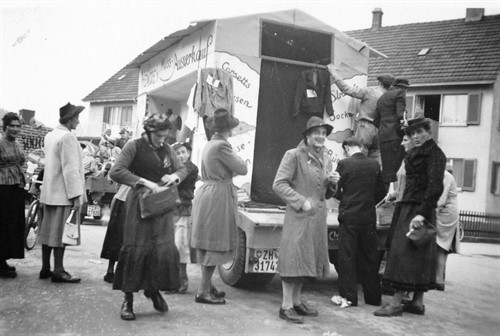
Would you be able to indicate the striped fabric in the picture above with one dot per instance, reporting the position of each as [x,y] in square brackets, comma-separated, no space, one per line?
[11,160]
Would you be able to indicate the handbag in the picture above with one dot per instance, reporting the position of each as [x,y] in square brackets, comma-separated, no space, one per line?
[423,235]
[157,204]
[71,232]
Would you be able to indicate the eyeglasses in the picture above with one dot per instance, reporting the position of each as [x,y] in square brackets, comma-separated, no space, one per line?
[14,125]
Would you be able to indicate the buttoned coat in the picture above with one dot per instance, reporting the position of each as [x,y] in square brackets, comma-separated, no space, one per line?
[63,177]
[391,107]
[303,175]
[215,203]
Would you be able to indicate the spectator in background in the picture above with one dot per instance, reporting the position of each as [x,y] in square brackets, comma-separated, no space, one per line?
[447,226]
[182,215]
[12,182]
[364,127]
[359,189]
[90,163]
[63,190]
[125,136]
[390,116]
[114,150]
[302,181]
[215,205]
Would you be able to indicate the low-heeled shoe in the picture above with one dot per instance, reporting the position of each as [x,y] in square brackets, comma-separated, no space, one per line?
[440,287]
[64,277]
[208,299]
[158,302]
[217,293]
[45,274]
[414,309]
[109,277]
[127,312]
[5,273]
[389,310]
[290,315]
[303,310]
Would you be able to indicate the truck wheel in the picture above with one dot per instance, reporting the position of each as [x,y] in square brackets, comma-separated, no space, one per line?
[233,272]
[333,255]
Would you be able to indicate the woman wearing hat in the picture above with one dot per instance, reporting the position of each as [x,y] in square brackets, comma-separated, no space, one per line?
[214,235]
[302,181]
[12,183]
[411,266]
[148,259]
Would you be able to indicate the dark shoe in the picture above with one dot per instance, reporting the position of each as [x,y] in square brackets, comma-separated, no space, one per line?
[172,291]
[216,293]
[414,309]
[389,310]
[158,303]
[208,299]
[127,312]
[6,267]
[64,277]
[303,310]
[109,277]
[7,274]
[440,287]
[290,315]
[45,274]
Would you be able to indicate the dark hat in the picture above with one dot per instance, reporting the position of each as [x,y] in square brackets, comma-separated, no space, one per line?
[414,124]
[176,145]
[221,121]
[403,82]
[68,111]
[315,122]
[157,122]
[386,80]
[83,145]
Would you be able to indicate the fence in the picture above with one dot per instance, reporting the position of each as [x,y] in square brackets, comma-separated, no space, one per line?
[480,226]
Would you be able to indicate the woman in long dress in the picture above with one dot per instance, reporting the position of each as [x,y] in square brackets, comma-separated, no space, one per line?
[148,259]
[412,267]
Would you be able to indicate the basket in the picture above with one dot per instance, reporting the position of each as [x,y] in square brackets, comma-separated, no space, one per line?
[385,211]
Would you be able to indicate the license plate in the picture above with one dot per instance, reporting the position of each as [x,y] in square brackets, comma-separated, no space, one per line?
[94,210]
[267,261]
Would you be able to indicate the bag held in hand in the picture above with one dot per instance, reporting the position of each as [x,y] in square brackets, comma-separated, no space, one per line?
[422,235]
[71,232]
[157,204]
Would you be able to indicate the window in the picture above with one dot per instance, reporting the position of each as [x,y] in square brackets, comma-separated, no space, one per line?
[495,178]
[464,172]
[292,43]
[117,116]
[461,110]
[409,107]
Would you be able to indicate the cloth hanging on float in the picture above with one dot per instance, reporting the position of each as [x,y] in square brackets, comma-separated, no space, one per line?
[313,93]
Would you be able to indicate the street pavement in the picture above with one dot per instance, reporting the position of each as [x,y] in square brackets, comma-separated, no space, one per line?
[29,306]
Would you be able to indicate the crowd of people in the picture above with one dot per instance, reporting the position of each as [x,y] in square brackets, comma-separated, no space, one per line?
[387,157]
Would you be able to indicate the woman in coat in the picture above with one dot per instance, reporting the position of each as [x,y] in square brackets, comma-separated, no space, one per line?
[215,203]
[302,181]
[410,266]
[148,258]
[12,183]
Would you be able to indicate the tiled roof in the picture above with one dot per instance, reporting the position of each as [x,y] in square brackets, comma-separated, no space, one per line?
[459,51]
[121,86]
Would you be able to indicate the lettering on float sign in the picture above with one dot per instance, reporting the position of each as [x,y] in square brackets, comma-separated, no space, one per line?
[169,64]
[226,66]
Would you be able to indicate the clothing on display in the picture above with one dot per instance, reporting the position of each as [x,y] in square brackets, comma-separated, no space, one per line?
[214,91]
[313,93]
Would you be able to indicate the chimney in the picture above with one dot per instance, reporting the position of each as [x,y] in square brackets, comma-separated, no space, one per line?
[474,14]
[377,18]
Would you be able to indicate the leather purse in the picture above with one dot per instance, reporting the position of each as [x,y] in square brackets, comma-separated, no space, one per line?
[157,204]
[71,232]
[423,235]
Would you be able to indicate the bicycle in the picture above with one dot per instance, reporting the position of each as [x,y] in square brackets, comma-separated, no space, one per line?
[461,231]
[33,219]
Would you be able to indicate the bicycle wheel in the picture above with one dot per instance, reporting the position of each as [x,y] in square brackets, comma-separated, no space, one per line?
[32,228]
[461,231]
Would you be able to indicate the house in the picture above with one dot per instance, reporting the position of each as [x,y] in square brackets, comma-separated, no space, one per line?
[113,104]
[453,67]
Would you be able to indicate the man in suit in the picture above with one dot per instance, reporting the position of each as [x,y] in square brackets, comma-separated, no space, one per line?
[390,115]
[359,188]
[63,190]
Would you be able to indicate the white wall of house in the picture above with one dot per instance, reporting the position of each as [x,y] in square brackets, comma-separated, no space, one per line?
[95,124]
[493,200]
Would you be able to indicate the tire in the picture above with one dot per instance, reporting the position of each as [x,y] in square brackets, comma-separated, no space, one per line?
[233,272]
[32,227]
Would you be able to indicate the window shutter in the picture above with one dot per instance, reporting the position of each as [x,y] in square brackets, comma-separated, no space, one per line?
[409,107]
[495,170]
[469,175]
[474,109]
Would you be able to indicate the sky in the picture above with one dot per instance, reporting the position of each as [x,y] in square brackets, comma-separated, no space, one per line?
[53,52]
